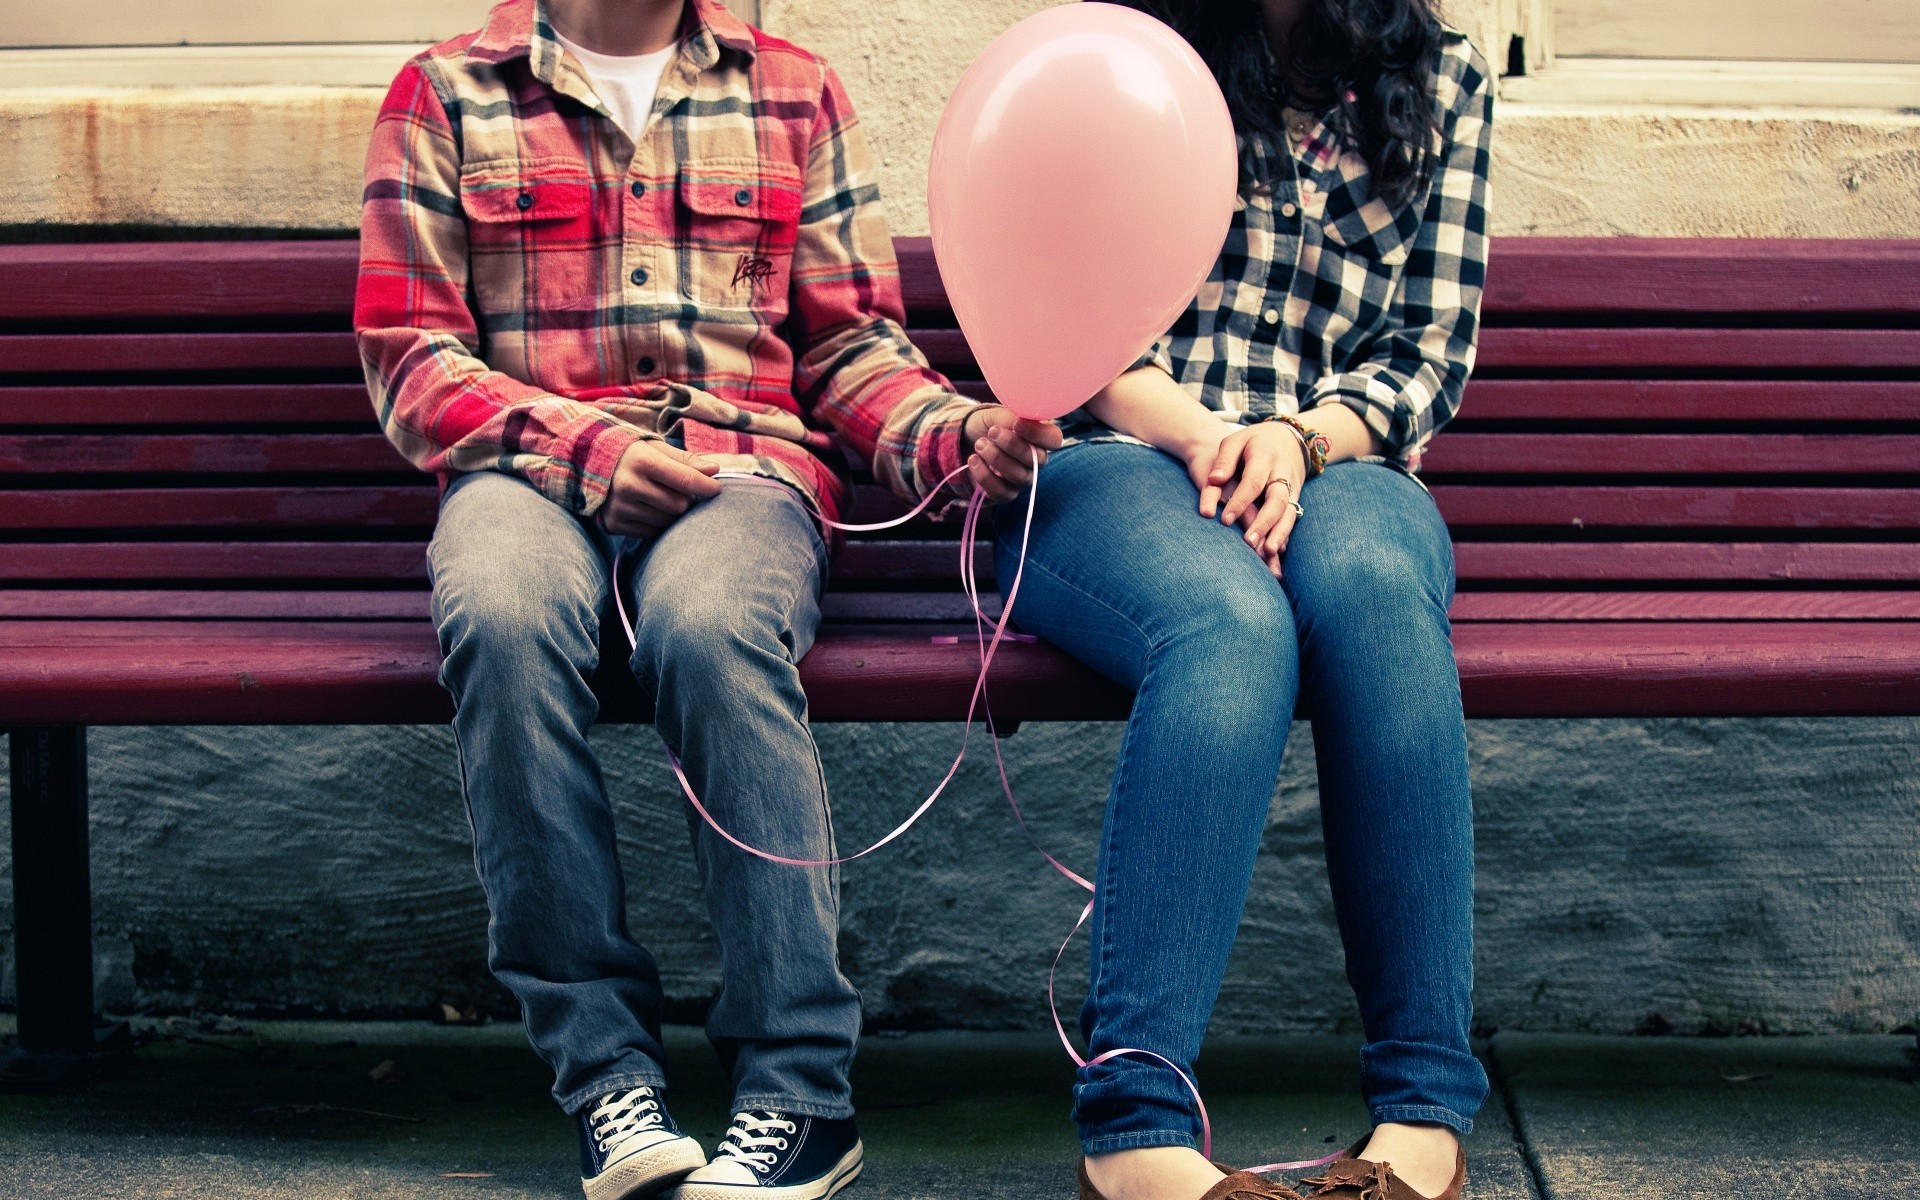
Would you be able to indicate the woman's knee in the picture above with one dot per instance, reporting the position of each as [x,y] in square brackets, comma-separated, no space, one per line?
[1372,547]
[1234,638]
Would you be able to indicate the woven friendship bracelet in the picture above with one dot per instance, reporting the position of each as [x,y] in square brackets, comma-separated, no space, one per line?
[1313,443]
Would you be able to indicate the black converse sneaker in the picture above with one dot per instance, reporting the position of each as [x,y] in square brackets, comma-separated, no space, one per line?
[771,1155]
[630,1147]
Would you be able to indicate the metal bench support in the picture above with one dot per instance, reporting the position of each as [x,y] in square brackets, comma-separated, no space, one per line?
[52,911]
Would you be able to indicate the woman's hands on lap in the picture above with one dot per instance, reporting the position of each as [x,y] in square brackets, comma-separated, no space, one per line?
[1253,479]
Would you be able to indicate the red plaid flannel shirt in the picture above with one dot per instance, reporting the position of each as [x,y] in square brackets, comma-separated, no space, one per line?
[538,291]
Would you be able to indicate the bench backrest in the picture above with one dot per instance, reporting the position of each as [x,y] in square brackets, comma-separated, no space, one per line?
[1690,427]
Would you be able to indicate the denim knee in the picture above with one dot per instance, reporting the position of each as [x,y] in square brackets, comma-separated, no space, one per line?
[508,626]
[1234,648]
[705,636]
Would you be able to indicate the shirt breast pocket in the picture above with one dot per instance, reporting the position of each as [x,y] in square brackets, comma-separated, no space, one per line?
[1365,225]
[531,244]
[740,222]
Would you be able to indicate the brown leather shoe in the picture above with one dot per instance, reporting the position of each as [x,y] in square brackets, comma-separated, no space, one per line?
[1352,1178]
[1238,1185]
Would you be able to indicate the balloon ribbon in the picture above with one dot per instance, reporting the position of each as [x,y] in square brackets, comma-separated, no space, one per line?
[988,644]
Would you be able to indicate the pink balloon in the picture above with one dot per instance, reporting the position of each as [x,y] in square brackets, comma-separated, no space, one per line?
[1081,187]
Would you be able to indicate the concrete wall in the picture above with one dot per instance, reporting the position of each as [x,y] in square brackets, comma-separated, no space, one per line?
[1712,872]
[289,156]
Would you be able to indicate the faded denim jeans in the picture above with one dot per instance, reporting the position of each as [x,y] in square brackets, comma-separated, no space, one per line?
[725,602]
[1125,575]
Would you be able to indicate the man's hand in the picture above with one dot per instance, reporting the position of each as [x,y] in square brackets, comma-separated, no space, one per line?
[654,485]
[1006,449]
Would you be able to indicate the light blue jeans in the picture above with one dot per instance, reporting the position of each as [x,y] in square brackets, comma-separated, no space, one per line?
[725,603]
[1125,575]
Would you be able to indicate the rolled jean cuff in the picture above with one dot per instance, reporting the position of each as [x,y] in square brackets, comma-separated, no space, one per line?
[825,1111]
[612,1081]
[1422,1114]
[1431,1081]
[1139,1139]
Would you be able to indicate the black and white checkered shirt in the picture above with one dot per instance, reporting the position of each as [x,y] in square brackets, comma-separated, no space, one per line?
[1324,293]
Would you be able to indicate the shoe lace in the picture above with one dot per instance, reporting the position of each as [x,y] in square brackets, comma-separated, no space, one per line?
[752,1139]
[620,1115]
[1365,1180]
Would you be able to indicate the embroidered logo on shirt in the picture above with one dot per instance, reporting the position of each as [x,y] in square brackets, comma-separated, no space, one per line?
[754,269]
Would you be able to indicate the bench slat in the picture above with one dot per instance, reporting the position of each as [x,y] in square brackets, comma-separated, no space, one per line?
[1465,506]
[1527,276]
[176,605]
[949,607]
[1566,563]
[1696,400]
[1627,277]
[149,353]
[1657,348]
[1687,606]
[182,605]
[121,280]
[1667,454]
[412,504]
[1501,348]
[1659,276]
[1557,454]
[1507,348]
[362,561]
[1468,506]
[227,672]
[218,672]
[1533,400]
[135,403]
[1676,564]
[384,562]
[1545,503]
[201,453]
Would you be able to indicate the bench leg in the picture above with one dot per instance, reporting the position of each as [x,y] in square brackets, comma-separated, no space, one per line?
[53,915]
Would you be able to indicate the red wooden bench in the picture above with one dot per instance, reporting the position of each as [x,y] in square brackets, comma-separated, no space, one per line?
[1686,481]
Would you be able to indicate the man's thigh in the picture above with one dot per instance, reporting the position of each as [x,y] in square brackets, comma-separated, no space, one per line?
[507,561]
[746,565]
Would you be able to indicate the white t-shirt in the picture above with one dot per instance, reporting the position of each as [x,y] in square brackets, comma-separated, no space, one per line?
[625,83]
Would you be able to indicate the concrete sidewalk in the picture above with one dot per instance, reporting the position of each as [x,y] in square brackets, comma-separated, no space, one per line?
[276,1110]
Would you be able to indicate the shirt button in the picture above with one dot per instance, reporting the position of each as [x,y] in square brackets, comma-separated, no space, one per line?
[645,366]
[1271,316]
[1289,209]
[639,276]
[743,197]
[525,201]
[639,190]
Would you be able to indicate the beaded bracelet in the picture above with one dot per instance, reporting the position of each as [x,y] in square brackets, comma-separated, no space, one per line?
[1313,444]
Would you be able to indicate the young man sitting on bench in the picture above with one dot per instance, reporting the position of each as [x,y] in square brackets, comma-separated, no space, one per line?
[612,248]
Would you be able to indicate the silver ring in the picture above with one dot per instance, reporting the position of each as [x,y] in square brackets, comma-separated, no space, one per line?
[1298,512]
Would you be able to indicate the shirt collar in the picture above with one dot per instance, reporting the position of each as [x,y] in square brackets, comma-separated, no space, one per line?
[519,28]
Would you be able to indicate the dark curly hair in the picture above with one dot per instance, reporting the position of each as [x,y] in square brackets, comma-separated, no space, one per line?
[1365,66]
